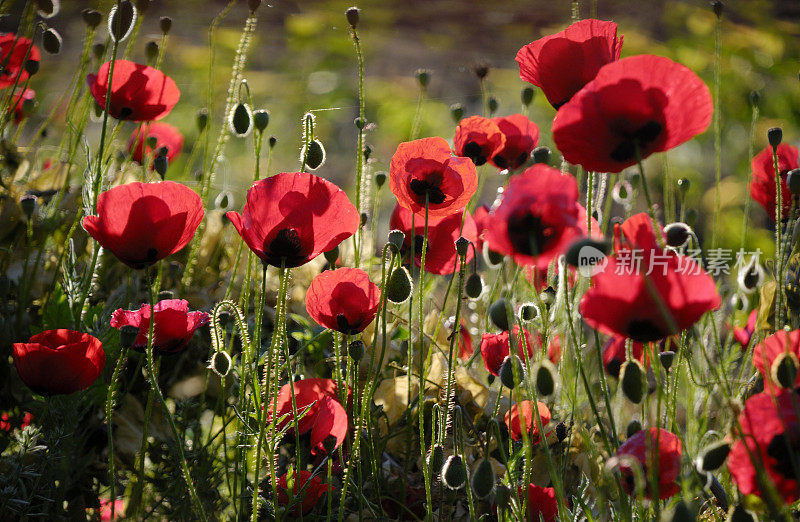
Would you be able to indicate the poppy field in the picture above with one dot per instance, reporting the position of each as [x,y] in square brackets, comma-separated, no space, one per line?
[247,272]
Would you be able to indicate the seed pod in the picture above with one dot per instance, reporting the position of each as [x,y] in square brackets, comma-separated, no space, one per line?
[632,380]
[151,51]
[165,24]
[51,41]
[380,179]
[633,428]
[356,350]
[272,141]
[423,77]
[544,375]
[353,15]
[541,155]
[315,156]
[454,472]
[47,8]
[332,255]
[457,112]
[483,479]
[398,287]
[160,164]
[241,120]
[784,369]
[775,136]
[202,119]
[91,17]
[678,234]
[511,372]
[527,96]
[261,119]
[713,456]
[121,20]
[502,494]
[128,335]
[481,70]
[497,313]
[220,363]
[462,246]
[667,358]
[474,286]
[436,459]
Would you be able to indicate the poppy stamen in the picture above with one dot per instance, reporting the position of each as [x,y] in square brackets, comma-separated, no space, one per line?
[285,245]
[528,234]
[645,331]
[423,187]
[781,448]
[641,137]
[473,151]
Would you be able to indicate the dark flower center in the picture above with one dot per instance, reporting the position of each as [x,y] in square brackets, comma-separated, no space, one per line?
[474,152]
[344,325]
[422,187]
[529,235]
[125,113]
[640,138]
[152,254]
[500,162]
[644,331]
[284,246]
[785,447]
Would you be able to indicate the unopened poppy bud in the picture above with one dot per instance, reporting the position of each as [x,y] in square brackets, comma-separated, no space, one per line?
[272,141]
[151,51]
[165,24]
[367,152]
[423,77]
[91,17]
[541,155]
[683,185]
[225,318]
[511,372]
[220,363]
[793,181]
[544,378]
[121,20]
[241,120]
[587,253]
[166,294]
[457,112]
[436,459]
[527,96]
[128,335]
[261,119]
[32,67]
[678,234]
[548,296]
[666,357]
[784,369]
[315,155]
[462,246]
[633,428]
[202,119]
[47,8]
[160,164]
[632,380]
[352,15]
[332,255]
[396,238]
[527,312]
[398,287]
[775,136]
[483,479]
[356,350]
[253,5]
[98,50]
[751,276]
[755,98]
[717,7]
[359,123]
[51,41]
[713,456]
[224,200]
[492,105]
[364,219]
[497,313]
[454,472]
[492,258]
[151,141]
[502,494]
[142,5]
[28,204]
[481,70]
[474,286]
[739,513]
[380,179]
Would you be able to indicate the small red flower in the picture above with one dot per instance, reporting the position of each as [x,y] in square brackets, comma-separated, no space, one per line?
[542,503]
[5,421]
[494,348]
[174,328]
[513,422]
[310,488]
[554,349]
[521,135]
[326,417]
[169,142]
[762,182]
[441,257]
[59,362]
[293,217]
[142,223]
[344,300]
[18,104]
[138,92]
[105,509]
[478,139]
[465,347]
[621,300]
[644,102]
[14,52]
[562,63]
[771,434]
[743,335]
[27,419]
[645,446]
[426,169]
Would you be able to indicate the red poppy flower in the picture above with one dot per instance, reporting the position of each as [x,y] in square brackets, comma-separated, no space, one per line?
[771,434]
[293,217]
[344,300]
[478,139]
[18,104]
[426,168]
[626,298]
[59,362]
[542,503]
[513,423]
[311,488]
[326,417]
[767,351]
[169,141]
[743,335]
[521,135]
[645,446]
[174,328]
[762,182]
[645,102]
[441,257]
[5,421]
[14,52]
[481,218]
[27,419]
[494,348]
[105,509]
[562,63]
[554,349]
[538,218]
[138,92]
[465,347]
[142,223]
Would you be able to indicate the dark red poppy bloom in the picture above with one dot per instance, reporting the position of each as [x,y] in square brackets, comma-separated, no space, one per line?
[59,362]
[771,434]
[310,488]
[169,142]
[138,92]
[514,425]
[542,503]
[521,135]
[562,63]
[441,257]
[326,417]
[293,217]
[762,181]
[14,52]
[478,139]
[175,324]
[767,351]
[344,300]
[142,223]
[743,335]
[538,218]
[626,298]
[648,447]
[18,104]
[646,103]
[426,170]
[494,348]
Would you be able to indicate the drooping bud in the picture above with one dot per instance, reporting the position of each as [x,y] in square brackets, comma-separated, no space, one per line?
[380,179]
[527,95]
[356,350]
[332,255]
[497,313]
[353,16]
[713,456]
[315,155]
[241,120]
[142,5]
[91,17]
[121,20]
[457,112]
[436,459]
[541,155]
[632,380]
[678,234]
[398,287]
[160,164]
[128,335]
[775,136]
[462,246]
[51,41]
[220,363]
[483,479]
[165,24]
[151,51]
[473,286]
[261,119]
[784,369]
[633,428]
[454,472]
[751,276]
[423,77]
[544,378]
[493,259]
[511,371]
